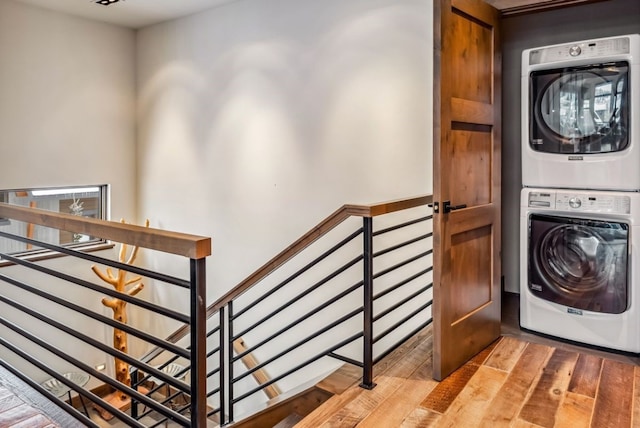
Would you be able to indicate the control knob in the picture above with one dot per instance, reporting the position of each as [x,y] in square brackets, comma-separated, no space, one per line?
[575,50]
[575,202]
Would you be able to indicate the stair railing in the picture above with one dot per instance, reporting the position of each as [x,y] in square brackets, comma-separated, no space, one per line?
[316,298]
[309,303]
[32,302]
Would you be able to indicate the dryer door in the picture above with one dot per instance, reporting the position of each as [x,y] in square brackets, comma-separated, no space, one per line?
[579,263]
[580,110]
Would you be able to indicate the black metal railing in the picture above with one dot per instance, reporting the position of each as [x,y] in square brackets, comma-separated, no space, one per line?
[347,302]
[57,338]
[358,291]
[350,291]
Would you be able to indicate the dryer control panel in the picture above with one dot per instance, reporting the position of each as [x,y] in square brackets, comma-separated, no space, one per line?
[580,202]
[588,49]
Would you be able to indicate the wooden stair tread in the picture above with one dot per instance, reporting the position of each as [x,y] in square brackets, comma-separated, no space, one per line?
[389,374]
[349,375]
[289,422]
[301,401]
[340,380]
[340,387]
[397,405]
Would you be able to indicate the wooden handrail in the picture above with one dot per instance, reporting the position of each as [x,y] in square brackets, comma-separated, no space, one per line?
[192,246]
[321,229]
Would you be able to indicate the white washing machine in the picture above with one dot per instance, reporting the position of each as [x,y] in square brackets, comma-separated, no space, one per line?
[578,266]
[581,115]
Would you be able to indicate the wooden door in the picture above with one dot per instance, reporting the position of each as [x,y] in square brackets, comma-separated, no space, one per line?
[467,268]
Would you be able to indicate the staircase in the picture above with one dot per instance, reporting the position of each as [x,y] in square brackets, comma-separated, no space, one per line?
[339,394]
[291,408]
[345,296]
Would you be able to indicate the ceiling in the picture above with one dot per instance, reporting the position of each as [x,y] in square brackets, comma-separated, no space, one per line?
[128,13]
[140,13]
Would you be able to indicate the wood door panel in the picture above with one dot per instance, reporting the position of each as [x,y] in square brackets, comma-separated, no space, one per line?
[466,305]
[471,158]
[471,219]
[471,337]
[474,57]
[478,10]
[471,277]
[471,112]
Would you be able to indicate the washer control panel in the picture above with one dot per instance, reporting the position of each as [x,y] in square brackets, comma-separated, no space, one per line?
[587,49]
[542,199]
[580,202]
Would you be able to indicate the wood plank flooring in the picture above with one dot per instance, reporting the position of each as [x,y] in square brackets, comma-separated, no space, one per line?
[513,383]
[23,407]
[522,380]
[15,412]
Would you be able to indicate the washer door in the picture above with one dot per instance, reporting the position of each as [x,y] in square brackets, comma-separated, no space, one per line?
[579,263]
[580,110]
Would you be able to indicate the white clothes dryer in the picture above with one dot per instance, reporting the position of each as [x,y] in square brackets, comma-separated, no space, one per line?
[579,259]
[581,115]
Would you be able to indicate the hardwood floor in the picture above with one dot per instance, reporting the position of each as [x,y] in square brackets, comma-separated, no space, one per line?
[511,328]
[522,380]
[23,407]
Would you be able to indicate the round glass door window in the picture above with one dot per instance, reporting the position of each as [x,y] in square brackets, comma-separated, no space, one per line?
[580,110]
[579,263]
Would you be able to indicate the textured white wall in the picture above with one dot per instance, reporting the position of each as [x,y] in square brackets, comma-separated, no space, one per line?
[259,118]
[67,110]
[255,119]
[67,117]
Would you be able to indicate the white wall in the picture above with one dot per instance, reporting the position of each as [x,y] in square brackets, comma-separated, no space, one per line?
[67,117]
[255,119]
[259,118]
[67,109]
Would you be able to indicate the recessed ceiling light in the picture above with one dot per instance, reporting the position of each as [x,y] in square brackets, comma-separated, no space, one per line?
[107,2]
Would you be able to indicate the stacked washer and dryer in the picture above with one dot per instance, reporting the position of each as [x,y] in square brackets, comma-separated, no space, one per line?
[580,203]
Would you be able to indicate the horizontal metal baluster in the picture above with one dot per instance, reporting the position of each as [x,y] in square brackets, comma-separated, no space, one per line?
[300,296]
[297,274]
[300,342]
[298,367]
[402,340]
[96,259]
[402,321]
[298,321]
[402,225]
[402,244]
[402,283]
[102,289]
[402,302]
[98,317]
[401,264]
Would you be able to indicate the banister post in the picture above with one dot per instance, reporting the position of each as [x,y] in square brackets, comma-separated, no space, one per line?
[367,353]
[230,397]
[198,343]
[222,372]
